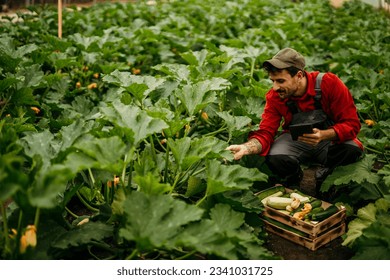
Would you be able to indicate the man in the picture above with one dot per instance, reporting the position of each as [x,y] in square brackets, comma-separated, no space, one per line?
[293,99]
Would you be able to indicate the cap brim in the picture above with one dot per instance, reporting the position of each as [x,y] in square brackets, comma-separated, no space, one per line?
[276,63]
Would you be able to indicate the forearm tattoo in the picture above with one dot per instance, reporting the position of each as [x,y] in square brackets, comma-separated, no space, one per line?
[253,146]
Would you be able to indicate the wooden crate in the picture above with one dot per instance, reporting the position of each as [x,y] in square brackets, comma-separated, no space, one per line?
[312,234]
[312,243]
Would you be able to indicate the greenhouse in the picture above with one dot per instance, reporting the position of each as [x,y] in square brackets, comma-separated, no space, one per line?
[117,120]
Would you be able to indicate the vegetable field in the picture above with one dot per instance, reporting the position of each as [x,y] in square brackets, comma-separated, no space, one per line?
[113,138]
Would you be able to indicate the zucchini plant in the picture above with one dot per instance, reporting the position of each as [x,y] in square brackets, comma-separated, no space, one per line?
[131,112]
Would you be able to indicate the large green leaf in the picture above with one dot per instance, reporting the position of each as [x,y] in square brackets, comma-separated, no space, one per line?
[33,76]
[226,219]
[365,217]
[83,235]
[197,96]
[139,86]
[375,243]
[237,125]
[152,221]
[42,144]
[72,132]
[84,42]
[12,178]
[107,152]
[369,233]
[205,237]
[8,82]
[242,200]
[358,172]
[10,55]
[133,119]
[222,177]
[48,185]
[78,161]
[188,151]
[151,185]
[385,172]
[178,71]
[224,235]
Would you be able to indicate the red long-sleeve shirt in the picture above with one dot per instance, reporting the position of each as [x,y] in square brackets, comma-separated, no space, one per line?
[336,101]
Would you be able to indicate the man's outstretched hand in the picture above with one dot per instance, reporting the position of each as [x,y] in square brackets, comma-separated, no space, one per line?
[238,151]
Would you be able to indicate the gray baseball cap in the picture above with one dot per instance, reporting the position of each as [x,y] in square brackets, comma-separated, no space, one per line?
[285,58]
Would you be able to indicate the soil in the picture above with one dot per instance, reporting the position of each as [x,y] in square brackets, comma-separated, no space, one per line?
[289,250]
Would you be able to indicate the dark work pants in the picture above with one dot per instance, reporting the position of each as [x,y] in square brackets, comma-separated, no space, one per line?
[286,156]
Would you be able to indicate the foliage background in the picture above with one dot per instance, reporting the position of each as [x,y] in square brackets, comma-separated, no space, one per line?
[113,138]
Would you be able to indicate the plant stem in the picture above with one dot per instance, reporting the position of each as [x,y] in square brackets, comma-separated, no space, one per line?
[7,248]
[101,246]
[186,255]
[36,219]
[166,164]
[131,163]
[20,221]
[223,128]
[86,204]
[130,179]
[5,105]
[153,148]
[177,178]
[91,176]
[199,171]
[201,200]
[374,150]
[124,170]
[71,213]
[252,70]
[129,257]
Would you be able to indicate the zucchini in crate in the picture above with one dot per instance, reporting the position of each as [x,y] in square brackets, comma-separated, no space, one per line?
[274,191]
[320,216]
[284,226]
[314,204]
[279,202]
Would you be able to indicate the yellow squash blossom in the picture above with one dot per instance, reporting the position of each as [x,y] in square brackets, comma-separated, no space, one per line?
[136,71]
[92,86]
[204,116]
[29,238]
[36,110]
[370,123]
[116,182]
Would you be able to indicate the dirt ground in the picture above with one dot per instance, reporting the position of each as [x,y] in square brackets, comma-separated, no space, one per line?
[289,250]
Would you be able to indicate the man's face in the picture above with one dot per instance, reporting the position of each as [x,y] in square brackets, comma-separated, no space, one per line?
[284,84]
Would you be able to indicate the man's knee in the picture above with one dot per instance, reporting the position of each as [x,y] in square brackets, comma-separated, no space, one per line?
[343,154]
[282,164]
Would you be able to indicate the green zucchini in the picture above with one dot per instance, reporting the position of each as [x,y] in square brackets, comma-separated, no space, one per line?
[315,211]
[333,209]
[270,191]
[316,203]
[285,227]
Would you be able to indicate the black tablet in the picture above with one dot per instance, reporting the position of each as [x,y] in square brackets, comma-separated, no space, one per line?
[300,129]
